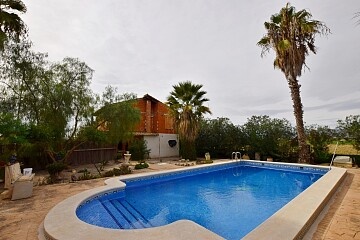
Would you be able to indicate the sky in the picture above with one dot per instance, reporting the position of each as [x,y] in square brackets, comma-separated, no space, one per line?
[147,46]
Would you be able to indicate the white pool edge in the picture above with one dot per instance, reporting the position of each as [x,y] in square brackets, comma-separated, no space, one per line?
[291,221]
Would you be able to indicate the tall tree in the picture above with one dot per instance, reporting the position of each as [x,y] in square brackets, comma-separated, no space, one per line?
[11,25]
[66,103]
[57,105]
[117,115]
[269,137]
[319,137]
[291,35]
[219,137]
[186,102]
[53,98]
[350,127]
[20,72]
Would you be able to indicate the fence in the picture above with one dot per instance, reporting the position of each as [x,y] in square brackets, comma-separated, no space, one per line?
[94,155]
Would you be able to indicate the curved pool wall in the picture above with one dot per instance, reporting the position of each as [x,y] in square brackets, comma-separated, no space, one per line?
[290,222]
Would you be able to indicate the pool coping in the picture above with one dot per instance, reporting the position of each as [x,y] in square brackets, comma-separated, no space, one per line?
[292,221]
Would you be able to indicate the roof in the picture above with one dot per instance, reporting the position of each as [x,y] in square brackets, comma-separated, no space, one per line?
[148,97]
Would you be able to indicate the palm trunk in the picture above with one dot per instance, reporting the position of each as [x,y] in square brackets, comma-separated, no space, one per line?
[187,149]
[304,154]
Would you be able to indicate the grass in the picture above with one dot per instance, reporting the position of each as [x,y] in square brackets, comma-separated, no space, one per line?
[346,149]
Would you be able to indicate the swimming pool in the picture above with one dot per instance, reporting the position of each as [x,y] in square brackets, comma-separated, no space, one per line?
[229,201]
[290,221]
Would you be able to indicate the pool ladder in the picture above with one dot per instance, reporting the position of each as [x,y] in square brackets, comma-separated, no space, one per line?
[333,156]
[236,156]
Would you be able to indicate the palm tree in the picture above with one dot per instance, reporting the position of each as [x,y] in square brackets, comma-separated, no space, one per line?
[186,103]
[11,25]
[291,35]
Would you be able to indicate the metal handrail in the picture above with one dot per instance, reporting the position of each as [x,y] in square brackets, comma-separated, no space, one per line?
[332,160]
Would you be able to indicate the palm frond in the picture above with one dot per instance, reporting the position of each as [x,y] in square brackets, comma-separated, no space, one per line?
[291,34]
[186,102]
[357,16]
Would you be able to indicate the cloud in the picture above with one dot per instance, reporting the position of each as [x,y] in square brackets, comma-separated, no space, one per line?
[352,104]
[148,46]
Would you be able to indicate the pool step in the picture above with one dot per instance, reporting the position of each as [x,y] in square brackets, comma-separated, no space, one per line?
[125,215]
[136,214]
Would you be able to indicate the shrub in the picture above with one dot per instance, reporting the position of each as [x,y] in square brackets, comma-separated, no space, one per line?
[138,149]
[86,175]
[204,161]
[141,165]
[124,169]
[117,171]
[109,173]
[55,168]
[119,155]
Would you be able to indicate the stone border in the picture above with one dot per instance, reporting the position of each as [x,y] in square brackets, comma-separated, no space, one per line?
[292,220]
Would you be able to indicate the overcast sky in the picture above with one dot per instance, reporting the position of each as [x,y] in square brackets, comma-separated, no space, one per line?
[147,46]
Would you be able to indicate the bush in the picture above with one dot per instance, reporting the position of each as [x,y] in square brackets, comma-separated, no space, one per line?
[204,161]
[138,149]
[109,173]
[124,169]
[86,175]
[141,165]
[117,171]
[55,168]
[321,157]
[119,155]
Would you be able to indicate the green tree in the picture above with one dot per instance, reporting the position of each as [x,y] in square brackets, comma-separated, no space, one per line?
[186,103]
[219,137]
[13,133]
[291,35]
[138,149]
[117,115]
[11,25]
[351,129]
[57,105]
[20,72]
[269,137]
[53,98]
[319,137]
[66,104]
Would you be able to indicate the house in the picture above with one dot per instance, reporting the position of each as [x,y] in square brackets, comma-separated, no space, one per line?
[157,128]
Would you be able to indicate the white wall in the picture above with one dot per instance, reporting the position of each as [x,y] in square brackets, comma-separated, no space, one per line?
[159,146]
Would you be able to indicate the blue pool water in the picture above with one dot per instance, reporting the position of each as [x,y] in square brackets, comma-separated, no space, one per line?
[230,201]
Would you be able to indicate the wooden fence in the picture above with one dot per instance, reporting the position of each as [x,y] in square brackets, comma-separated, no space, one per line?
[94,155]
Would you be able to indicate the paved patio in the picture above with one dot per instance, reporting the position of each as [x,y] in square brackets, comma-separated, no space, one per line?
[21,219]
[342,220]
